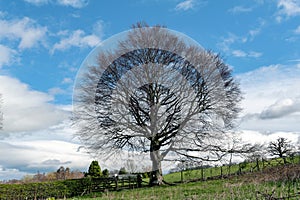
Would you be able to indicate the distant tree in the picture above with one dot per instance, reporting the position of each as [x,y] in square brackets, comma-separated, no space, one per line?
[61,174]
[236,148]
[67,173]
[27,179]
[51,176]
[39,177]
[105,173]
[156,94]
[94,170]
[281,148]
[122,171]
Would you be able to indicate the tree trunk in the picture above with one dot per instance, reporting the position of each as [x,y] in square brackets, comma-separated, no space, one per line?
[156,177]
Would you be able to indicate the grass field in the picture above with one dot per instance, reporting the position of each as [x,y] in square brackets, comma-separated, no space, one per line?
[267,180]
[215,189]
[281,182]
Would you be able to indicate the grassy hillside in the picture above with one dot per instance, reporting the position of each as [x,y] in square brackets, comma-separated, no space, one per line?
[253,180]
[280,182]
[224,171]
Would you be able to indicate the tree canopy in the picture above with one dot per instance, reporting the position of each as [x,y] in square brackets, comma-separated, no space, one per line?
[94,169]
[158,93]
[281,148]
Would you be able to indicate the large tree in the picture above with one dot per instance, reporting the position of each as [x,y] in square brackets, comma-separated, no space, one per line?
[155,91]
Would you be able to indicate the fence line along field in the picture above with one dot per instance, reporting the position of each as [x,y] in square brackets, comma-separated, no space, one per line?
[253,180]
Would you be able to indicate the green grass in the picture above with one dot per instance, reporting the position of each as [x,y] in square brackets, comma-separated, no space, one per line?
[276,180]
[279,182]
[214,189]
[226,170]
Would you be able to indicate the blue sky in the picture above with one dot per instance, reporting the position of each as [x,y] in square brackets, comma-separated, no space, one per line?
[44,42]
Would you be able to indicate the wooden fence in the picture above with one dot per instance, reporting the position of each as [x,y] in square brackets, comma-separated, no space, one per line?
[67,188]
[217,172]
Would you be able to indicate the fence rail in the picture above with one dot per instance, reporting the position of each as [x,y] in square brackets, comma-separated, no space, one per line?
[208,173]
[67,188]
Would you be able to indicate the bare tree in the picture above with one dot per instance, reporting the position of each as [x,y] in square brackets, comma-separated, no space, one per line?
[156,93]
[281,148]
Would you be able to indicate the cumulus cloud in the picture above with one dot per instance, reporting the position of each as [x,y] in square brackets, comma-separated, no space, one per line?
[25,30]
[289,7]
[25,109]
[41,155]
[76,38]
[281,108]
[271,98]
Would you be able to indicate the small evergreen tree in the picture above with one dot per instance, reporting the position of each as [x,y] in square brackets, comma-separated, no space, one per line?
[105,173]
[94,169]
[122,171]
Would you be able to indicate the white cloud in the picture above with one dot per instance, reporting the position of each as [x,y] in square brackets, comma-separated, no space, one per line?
[98,28]
[281,108]
[255,137]
[37,2]
[227,43]
[297,31]
[287,8]
[254,32]
[254,54]
[11,173]
[7,55]
[26,30]
[271,100]
[251,54]
[77,38]
[240,9]
[67,81]
[55,91]
[25,109]
[239,53]
[71,3]
[185,5]
[41,155]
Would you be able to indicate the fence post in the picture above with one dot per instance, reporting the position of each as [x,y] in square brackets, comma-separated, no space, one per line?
[116,182]
[257,164]
[202,173]
[221,171]
[181,176]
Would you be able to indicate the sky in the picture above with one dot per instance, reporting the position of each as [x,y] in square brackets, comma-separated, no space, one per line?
[44,42]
